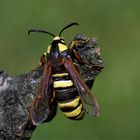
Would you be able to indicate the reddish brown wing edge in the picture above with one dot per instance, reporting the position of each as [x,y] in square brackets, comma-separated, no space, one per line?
[40,107]
[88,100]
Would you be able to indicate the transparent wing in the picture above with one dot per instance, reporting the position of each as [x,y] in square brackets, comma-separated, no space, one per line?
[40,108]
[88,100]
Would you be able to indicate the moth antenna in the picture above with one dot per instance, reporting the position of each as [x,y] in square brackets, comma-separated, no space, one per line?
[40,31]
[71,24]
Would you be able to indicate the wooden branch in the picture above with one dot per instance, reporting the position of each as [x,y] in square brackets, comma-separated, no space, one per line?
[16,95]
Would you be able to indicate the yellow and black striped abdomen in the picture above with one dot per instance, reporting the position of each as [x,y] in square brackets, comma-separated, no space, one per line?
[67,96]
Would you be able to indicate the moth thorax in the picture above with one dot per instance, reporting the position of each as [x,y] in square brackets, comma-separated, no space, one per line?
[48,49]
[62,47]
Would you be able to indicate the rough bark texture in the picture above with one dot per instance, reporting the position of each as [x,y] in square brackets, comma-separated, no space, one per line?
[16,95]
[17,92]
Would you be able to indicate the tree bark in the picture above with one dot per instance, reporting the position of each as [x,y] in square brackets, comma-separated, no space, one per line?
[16,95]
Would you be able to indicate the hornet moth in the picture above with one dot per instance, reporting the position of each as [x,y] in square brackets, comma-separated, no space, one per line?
[61,83]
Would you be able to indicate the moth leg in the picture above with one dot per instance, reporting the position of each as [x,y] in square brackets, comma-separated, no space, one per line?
[78,57]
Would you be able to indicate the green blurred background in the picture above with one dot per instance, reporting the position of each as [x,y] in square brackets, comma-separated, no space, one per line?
[116,24]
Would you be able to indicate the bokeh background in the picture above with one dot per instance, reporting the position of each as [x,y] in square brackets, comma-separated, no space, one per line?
[116,24]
